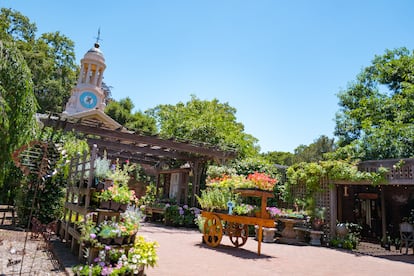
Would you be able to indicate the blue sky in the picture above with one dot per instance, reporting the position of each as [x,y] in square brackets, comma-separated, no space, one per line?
[279,63]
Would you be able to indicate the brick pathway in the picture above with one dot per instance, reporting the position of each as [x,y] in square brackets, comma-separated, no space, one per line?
[182,253]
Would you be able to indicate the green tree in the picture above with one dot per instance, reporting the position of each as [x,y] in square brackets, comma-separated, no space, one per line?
[51,59]
[205,121]
[315,151]
[279,157]
[17,112]
[122,113]
[376,117]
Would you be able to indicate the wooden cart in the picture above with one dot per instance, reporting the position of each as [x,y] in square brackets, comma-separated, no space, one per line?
[236,227]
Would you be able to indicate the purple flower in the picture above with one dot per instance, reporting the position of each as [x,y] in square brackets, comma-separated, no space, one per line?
[92,236]
[107,247]
[185,206]
[181,211]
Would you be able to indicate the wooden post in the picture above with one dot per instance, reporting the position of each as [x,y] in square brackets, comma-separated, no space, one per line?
[383,216]
[333,204]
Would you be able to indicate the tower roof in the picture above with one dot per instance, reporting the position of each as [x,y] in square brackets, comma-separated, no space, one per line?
[95,53]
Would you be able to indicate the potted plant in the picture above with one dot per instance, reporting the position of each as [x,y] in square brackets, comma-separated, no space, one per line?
[107,231]
[88,231]
[216,199]
[142,255]
[397,243]
[318,218]
[274,212]
[102,170]
[243,209]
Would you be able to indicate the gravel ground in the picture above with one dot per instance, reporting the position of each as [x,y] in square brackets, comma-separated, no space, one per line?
[21,256]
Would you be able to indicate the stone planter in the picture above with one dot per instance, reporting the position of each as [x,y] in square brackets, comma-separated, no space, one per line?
[268,234]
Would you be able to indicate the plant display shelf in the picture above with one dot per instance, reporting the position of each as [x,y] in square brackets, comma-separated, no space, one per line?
[237,226]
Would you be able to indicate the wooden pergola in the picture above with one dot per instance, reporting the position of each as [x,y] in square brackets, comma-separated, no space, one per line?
[143,149]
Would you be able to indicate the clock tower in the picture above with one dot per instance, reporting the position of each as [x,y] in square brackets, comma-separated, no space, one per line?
[87,100]
[88,93]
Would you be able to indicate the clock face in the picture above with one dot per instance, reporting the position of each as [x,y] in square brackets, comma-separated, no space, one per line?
[88,99]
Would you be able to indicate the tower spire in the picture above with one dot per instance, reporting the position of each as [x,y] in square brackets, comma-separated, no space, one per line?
[98,38]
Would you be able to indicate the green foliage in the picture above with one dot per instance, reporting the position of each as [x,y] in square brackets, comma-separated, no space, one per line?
[180,215]
[311,175]
[51,59]
[251,165]
[122,113]
[205,121]
[17,110]
[351,240]
[102,167]
[212,199]
[149,197]
[278,157]
[376,115]
[315,151]
[144,253]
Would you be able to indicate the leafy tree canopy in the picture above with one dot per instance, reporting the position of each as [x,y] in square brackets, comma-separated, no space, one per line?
[376,115]
[121,111]
[17,110]
[50,58]
[205,121]
[315,151]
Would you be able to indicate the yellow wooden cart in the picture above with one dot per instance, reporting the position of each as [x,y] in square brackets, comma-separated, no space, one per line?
[236,227]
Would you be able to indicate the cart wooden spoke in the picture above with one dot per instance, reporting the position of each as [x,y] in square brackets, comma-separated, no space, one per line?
[238,233]
[213,230]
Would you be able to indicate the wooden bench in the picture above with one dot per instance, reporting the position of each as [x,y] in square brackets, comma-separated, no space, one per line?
[315,235]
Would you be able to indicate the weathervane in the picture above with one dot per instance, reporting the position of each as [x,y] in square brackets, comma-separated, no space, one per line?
[98,38]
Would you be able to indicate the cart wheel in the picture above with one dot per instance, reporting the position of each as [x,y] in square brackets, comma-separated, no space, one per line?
[213,231]
[238,234]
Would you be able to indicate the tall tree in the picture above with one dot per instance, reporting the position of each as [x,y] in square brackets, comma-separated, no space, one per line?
[279,157]
[50,58]
[205,121]
[121,111]
[17,110]
[376,117]
[314,152]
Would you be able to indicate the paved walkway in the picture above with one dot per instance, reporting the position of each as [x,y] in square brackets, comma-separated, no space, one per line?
[181,252]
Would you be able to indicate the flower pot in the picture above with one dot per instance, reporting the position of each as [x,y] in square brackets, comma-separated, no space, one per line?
[115,206]
[105,240]
[132,238]
[123,207]
[105,204]
[317,224]
[119,240]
